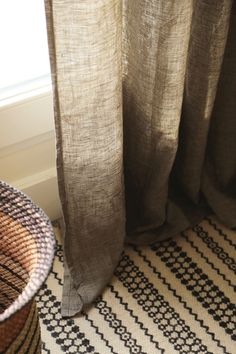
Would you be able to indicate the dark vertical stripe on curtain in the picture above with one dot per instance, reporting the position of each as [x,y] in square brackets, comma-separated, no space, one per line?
[219,172]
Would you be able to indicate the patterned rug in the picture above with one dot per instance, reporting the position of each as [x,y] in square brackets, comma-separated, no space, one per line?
[175,297]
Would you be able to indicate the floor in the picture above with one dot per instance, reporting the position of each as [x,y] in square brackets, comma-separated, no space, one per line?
[175,297]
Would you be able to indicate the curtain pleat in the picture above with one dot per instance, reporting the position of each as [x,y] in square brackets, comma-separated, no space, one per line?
[145,126]
[219,172]
[157,40]
[208,38]
[86,63]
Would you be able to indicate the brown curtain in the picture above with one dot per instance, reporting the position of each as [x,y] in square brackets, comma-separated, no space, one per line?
[145,115]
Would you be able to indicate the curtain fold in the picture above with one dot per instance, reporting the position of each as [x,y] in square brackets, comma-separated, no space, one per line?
[144,95]
[155,64]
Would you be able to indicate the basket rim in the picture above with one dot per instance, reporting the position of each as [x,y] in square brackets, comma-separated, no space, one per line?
[40,218]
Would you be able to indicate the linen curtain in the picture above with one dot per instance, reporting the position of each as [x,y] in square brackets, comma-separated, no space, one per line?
[145,117]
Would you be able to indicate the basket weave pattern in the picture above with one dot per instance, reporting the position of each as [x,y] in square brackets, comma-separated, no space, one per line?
[26,254]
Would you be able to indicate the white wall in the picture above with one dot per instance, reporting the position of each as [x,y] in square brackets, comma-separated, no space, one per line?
[27,150]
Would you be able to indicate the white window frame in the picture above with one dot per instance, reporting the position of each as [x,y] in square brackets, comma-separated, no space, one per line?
[27,148]
[27,139]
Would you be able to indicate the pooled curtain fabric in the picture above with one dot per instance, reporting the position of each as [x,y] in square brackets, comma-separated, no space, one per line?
[145,116]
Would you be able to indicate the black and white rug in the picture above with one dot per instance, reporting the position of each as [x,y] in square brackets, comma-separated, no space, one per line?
[175,297]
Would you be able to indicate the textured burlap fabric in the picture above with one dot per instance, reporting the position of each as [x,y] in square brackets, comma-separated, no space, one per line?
[149,85]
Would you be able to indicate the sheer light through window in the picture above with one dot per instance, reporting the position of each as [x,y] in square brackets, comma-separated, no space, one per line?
[24,52]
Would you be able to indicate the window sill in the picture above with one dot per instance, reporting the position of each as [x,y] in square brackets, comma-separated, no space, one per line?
[25,91]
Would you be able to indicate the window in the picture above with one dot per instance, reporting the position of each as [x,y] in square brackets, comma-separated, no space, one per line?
[24,61]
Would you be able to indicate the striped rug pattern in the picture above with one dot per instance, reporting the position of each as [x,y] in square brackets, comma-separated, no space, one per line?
[175,297]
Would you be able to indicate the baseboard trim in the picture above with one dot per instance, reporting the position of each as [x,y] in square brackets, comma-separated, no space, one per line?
[42,188]
[35,179]
[27,144]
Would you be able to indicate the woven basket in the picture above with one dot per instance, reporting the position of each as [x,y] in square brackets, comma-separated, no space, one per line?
[26,254]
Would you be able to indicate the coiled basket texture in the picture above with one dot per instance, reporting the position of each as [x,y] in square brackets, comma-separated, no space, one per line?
[26,254]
